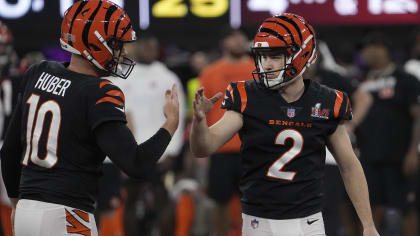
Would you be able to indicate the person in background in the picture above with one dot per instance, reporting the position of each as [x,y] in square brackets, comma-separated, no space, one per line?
[9,85]
[142,90]
[388,137]
[412,65]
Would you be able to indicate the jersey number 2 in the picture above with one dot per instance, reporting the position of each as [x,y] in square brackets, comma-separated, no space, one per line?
[275,170]
[34,126]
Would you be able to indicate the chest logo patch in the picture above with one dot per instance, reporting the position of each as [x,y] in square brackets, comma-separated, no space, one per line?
[291,112]
[318,112]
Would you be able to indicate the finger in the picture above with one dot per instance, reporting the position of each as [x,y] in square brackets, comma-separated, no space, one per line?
[174,89]
[216,97]
[195,109]
[200,91]
[174,92]
[197,95]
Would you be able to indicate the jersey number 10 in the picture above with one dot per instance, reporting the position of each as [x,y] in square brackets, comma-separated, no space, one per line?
[34,126]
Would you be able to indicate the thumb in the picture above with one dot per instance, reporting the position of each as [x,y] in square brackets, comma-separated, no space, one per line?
[216,97]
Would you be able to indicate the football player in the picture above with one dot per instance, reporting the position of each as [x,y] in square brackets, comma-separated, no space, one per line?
[68,118]
[284,123]
[9,82]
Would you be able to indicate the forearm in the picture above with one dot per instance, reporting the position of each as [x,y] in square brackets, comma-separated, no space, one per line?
[362,102]
[116,140]
[415,138]
[200,139]
[356,187]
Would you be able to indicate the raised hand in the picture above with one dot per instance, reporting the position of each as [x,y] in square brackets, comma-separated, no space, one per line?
[171,110]
[203,105]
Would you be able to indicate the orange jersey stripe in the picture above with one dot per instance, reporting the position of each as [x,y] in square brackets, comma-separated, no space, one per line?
[347,106]
[103,83]
[229,88]
[110,99]
[76,227]
[242,93]
[116,93]
[338,102]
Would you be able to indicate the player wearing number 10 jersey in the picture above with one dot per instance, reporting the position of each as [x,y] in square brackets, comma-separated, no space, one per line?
[284,123]
[67,119]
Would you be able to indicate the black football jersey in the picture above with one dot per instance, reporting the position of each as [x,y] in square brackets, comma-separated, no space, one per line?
[283,146]
[60,109]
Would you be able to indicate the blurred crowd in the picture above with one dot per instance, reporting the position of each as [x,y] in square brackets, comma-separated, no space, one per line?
[186,196]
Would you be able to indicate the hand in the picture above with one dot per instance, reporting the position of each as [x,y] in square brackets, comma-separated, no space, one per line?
[411,163]
[171,110]
[203,105]
[371,231]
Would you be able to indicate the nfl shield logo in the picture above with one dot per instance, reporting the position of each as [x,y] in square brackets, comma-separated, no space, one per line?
[290,112]
[254,223]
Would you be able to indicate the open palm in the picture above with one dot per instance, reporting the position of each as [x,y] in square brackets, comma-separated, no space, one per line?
[202,105]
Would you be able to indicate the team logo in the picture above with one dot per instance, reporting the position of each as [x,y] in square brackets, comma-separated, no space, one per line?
[317,112]
[386,93]
[291,112]
[261,44]
[254,223]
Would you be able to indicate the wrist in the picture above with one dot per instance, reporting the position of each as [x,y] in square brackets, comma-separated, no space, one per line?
[369,226]
[171,126]
[353,123]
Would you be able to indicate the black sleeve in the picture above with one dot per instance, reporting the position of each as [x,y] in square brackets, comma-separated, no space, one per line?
[106,103]
[118,143]
[232,99]
[11,153]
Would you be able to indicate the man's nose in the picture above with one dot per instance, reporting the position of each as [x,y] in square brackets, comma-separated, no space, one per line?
[267,65]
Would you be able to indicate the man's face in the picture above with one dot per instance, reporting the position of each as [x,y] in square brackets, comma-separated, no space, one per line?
[148,51]
[372,54]
[236,43]
[272,61]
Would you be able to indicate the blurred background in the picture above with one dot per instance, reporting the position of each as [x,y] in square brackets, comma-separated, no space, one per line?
[183,42]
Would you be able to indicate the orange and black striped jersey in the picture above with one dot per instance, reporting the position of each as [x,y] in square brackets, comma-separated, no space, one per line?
[59,111]
[283,146]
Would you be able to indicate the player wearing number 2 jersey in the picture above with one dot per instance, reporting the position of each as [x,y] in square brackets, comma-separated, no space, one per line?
[68,119]
[284,123]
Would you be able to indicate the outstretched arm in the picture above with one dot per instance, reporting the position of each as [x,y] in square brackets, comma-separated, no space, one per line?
[353,177]
[204,141]
[116,140]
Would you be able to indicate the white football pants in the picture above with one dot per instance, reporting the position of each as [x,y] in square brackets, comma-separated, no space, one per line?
[312,225]
[35,218]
